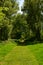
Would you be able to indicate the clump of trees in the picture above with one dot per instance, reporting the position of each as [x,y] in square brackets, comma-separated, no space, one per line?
[8,8]
[22,27]
[33,16]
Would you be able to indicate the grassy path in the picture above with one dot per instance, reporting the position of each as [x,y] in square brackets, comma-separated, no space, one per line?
[20,55]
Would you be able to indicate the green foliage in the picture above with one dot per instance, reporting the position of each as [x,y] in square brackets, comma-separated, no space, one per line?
[7,9]
[32,9]
[4,29]
[26,26]
[20,28]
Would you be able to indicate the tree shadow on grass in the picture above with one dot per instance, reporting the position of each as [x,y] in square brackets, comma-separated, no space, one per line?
[27,42]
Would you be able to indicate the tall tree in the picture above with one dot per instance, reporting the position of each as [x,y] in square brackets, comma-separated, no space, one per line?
[41,7]
[8,8]
[32,9]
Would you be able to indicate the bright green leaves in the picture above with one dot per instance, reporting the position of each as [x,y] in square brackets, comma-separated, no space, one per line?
[7,9]
[2,15]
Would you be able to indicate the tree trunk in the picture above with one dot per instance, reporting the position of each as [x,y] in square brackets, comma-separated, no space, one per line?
[38,35]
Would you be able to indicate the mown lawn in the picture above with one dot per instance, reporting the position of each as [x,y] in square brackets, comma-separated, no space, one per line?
[11,54]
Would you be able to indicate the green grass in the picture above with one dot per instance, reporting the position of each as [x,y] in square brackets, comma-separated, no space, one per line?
[11,54]
[38,52]
[5,48]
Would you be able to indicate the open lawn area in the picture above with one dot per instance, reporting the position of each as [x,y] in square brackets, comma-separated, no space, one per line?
[11,54]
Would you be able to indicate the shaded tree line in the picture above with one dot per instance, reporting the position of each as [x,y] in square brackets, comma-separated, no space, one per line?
[21,27]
